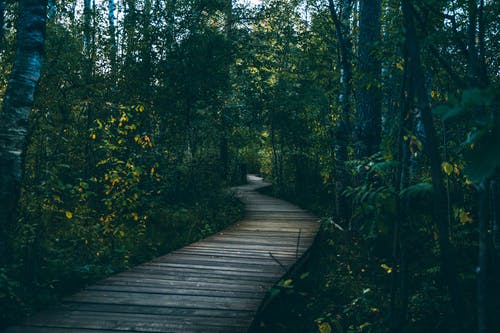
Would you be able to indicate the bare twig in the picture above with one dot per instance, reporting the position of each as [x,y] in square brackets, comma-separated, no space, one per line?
[285,269]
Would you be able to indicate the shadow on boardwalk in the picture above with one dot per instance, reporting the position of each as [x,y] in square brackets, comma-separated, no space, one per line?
[214,285]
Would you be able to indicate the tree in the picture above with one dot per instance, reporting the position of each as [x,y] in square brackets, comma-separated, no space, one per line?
[368,123]
[341,20]
[18,100]
[2,19]
[418,100]
[112,37]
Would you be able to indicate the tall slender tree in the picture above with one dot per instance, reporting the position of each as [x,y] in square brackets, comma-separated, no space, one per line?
[17,104]
[341,20]
[368,123]
[418,100]
[112,36]
[2,19]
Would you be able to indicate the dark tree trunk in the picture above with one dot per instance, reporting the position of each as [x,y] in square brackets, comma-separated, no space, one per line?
[112,36]
[495,221]
[483,271]
[87,17]
[439,211]
[18,100]
[399,293]
[341,24]
[368,122]
[483,74]
[342,133]
[471,41]
[2,21]
[224,144]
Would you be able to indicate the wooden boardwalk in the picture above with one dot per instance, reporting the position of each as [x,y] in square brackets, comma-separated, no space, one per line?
[214,285]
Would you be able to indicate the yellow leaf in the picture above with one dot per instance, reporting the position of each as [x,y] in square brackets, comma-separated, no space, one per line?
[141,108]
[447,168]
[387,268]
[399,66]
[464,217]
[69,214]
[122,233]
[93,136]
[363,326]
[324,328]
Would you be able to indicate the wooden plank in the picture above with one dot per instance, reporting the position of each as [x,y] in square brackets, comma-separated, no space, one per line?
[195,278]
[182,284]
[137,322]
[182,301]
[163,290]
[158,310]
[195,257]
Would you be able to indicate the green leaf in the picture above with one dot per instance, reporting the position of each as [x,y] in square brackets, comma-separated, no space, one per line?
[417,190]
[483,156]
[448,112]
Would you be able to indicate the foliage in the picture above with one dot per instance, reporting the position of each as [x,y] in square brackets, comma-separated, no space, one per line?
[141,121]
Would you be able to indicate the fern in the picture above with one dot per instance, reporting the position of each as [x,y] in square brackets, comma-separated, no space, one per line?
[419,190]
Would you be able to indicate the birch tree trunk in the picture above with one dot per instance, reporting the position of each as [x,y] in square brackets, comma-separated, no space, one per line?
[2,21]
[17,104]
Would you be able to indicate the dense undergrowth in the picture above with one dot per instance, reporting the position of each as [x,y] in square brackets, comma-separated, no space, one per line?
[67,254]
[345,286]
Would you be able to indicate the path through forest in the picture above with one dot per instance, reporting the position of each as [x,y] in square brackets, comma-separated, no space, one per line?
[214,285]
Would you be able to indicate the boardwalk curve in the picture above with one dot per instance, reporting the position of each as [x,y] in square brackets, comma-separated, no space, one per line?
[214,285]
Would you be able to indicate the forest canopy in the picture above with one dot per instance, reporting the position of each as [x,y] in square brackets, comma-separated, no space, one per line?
[123,123]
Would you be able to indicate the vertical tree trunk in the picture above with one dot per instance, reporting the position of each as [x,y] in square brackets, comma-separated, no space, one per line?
[399,294]
[87,77]
[2,21]
[483,74]
[87,17]
[224,144]
[112,36]
[483,271]
[495,220]
[147,52]
[439,211]
[344,38]
[368,123]
[17,103]
[471,41]
[342,136]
